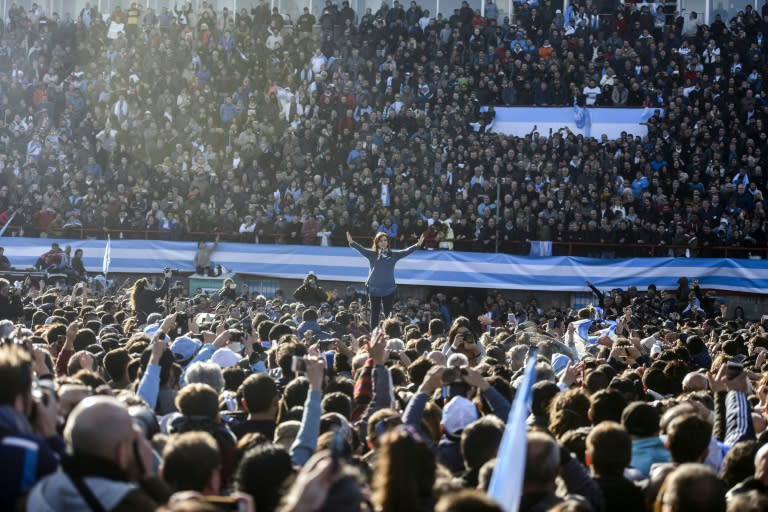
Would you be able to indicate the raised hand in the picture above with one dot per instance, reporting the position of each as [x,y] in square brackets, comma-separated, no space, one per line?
[432,380]
[378,347]
[315,373]
[474,379]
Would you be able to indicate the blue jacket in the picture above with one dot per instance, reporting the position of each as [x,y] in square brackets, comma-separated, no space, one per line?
[312,325]
[639,185]
[227,112]
[648,451]
[381,276]
[306,440]
[26,457]
[738,418]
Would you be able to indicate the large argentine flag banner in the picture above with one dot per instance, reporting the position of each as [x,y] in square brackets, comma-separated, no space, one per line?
[425,268]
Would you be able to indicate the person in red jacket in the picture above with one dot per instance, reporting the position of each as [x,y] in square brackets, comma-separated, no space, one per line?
[51,259]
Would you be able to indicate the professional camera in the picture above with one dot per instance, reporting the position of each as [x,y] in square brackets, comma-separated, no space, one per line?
[453,383]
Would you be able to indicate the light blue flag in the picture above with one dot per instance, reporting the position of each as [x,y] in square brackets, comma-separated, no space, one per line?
[609,331]
[107,255]
[587,123]
[582,328]
[582,119]
[507,481]
[578,115]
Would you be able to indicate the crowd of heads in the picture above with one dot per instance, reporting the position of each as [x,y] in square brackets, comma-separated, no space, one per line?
[190,121]
[147,397]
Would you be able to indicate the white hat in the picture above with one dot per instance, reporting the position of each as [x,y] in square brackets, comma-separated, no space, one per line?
[395,345]
[457,414]
[225,357]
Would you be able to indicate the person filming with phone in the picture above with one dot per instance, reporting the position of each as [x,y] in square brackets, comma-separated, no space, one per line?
[28,417]
[11,307]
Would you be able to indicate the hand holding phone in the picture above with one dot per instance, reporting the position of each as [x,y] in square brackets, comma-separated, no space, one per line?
[298,364]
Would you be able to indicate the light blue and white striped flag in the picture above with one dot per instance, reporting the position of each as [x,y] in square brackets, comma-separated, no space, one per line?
[582,330]
[507,482]
[107,251]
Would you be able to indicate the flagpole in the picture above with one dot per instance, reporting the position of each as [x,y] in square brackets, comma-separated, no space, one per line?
[2,231]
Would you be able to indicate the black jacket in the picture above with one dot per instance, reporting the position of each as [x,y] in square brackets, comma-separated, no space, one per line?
[621,494]
[11,308]
[146,301]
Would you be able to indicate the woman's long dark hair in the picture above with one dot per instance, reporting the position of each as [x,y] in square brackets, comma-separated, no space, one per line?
[461,321]
[405,473]
[139,286]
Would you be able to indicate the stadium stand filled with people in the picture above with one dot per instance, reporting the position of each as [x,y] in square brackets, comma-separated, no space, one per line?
[189,123]
[185,122]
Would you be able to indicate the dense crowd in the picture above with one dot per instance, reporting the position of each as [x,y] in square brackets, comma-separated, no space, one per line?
[148,397]
[187,122]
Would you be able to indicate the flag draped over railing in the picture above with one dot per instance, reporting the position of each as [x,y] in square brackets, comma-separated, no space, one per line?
[507,481]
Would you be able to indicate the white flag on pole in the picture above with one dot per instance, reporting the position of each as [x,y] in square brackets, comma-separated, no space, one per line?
[105,263]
